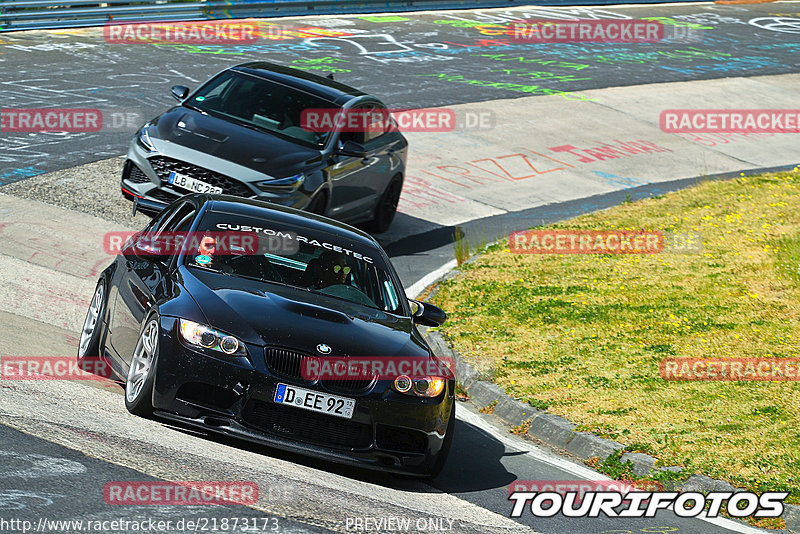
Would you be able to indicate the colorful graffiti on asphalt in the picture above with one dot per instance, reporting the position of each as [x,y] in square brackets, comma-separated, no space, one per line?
[530,163]
[431,59]
[15,175]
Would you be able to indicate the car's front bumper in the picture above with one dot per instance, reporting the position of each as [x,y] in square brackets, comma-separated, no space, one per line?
[389,431]
[140,178]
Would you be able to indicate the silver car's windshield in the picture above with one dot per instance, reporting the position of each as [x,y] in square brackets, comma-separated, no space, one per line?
[261,104]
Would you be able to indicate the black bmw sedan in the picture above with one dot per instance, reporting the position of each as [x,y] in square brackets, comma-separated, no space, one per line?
[231,327]
[242,133]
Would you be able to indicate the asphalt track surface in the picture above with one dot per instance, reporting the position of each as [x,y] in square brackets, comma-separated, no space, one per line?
[58,465]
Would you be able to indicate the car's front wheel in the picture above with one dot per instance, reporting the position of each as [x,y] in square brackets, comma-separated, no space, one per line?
[139,385]
[387,206]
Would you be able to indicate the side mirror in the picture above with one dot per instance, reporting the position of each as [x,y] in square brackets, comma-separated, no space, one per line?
[144,247]
[180,92]
[427,314]
[353,149]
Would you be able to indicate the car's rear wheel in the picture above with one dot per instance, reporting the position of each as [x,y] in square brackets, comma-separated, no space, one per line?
[139,385]
[441,458]
[387,206]
[89,344]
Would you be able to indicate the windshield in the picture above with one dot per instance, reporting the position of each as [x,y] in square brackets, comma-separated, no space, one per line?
[312,261]
[260,104]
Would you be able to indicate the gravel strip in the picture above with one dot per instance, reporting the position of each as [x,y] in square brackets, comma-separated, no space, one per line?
[92,188]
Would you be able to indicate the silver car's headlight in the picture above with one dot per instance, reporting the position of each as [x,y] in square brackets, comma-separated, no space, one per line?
[208,338]
[283,184]
[144,139]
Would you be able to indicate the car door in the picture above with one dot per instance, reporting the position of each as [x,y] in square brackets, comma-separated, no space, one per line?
[143,282]
[380,146]
[353,177]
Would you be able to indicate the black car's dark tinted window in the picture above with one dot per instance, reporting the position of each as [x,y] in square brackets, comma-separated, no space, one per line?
[261,104]
[318,262]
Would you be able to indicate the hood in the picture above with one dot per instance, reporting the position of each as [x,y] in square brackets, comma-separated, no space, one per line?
[269,314]
[257,150]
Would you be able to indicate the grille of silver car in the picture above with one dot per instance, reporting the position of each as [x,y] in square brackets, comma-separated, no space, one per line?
[136,175]
[163,166]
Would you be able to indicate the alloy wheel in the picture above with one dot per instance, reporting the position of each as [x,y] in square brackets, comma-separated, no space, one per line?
[90,323]
[142,361]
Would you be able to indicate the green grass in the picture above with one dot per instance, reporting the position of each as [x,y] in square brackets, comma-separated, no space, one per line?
[583,335]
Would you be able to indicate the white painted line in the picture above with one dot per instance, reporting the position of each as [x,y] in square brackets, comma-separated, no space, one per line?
[416,288]
[184,76]
[520,445]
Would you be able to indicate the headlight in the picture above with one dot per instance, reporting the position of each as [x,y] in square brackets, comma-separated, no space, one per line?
[144,139]
[429,386]
[283,184]
[208,338]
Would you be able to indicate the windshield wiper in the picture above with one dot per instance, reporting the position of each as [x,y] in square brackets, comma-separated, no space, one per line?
[209,269]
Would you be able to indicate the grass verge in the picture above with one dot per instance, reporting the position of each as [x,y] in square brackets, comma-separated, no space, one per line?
[583,335]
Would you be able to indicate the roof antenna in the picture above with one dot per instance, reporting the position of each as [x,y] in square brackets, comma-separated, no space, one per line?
[329,76]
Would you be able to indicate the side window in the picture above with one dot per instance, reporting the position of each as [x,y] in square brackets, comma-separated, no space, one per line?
[355,136]
[383,126]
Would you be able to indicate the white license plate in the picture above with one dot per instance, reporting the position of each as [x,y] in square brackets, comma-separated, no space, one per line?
[192,184]
[315,401]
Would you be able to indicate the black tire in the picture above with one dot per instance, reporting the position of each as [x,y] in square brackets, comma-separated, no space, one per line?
[441,458]
[139,382]
[317,205]
[89,343]
[387,206]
